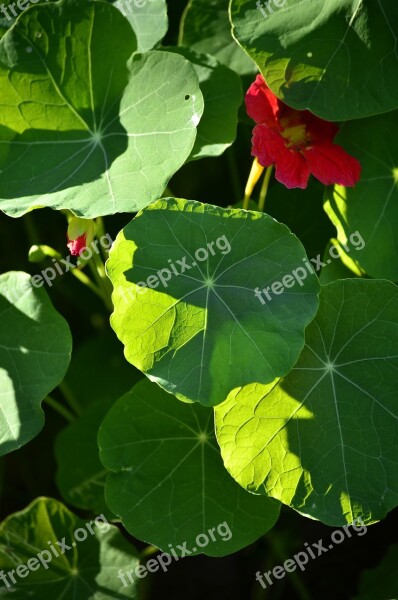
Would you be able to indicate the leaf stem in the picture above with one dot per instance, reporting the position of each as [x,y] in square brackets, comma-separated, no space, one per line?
[82,277]
[264,188]
[98,270]
[70,398]
[148,551]
[254,176]
[62,410]
[279,551]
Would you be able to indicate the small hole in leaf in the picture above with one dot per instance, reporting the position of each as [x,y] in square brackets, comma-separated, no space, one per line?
[187,97]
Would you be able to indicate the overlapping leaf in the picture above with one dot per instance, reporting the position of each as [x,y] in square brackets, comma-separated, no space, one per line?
[90,384]
[81,476]
[202,331]
[205,27]
[324,439]
[80,129]
[372,206]
[169,484]
[35,348]
[148,19]
[86,570]
[337,58]
[222,94]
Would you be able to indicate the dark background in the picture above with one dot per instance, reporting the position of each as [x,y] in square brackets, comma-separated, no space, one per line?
[30,472]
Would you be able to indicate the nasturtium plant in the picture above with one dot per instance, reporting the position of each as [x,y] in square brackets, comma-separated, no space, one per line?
[62,555]
[319,55]
[91,127]
[205,27]
[323,439]
[150,25]
[199,309]
[35,352]
[203,195]
[372,206]
[222,93]
[168,472]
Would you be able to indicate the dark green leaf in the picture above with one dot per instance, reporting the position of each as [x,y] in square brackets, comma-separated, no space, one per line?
[169,484]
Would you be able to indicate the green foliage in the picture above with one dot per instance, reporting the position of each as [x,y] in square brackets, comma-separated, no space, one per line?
[169,484]
[322,440]
[192,325]
[90,127]
[34,355]
[336,58]
[84,572]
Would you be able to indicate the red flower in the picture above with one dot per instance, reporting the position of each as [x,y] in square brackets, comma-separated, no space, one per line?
[77,246]
[80,235]
[297,142]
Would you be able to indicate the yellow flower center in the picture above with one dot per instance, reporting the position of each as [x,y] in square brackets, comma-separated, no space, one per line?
[295,134]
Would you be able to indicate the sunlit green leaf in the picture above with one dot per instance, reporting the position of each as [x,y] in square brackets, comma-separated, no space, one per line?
[35,348]
[147,18]
[202,330]
[222,93]
[371,207]
[323,440]
[81,129]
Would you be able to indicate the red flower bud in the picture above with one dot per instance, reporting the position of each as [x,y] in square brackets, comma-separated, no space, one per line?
[80,235]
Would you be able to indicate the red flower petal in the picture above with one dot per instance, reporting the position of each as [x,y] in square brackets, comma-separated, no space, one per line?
[319,131]
[77,246]
[270,148]
[332,164]
[292,170]
[265,143]
[261,104]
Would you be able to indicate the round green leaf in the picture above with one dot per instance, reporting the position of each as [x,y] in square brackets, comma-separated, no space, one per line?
[337,58]
[100,136]
[149,21]
[222,92]
[205,27]
[371,207]
[324,439]
[169,484]
[35,349]
[204,331]
[86,571]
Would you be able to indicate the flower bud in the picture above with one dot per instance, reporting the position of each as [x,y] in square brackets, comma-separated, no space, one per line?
[80,235]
